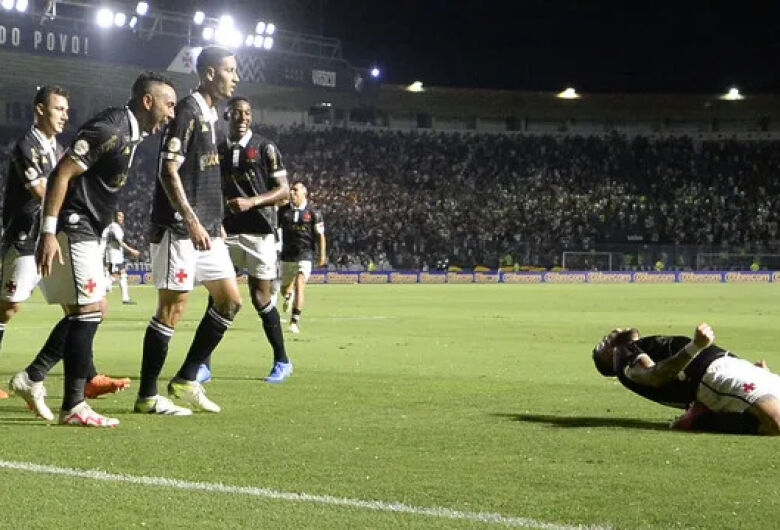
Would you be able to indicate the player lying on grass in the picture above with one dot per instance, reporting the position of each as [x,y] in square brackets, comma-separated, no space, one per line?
[722,393]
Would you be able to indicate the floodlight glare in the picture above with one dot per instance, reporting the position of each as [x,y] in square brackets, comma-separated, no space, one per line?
[375,72]
[733,95]
[133,21]
[199,17]
[268,43]
[260,28]
[7,4]
[225,21]
[258,43]
[250,39]
[120,19]
[105,17]
[270,28]
[21,5]
[417,86]
[208,33]
[569,93]
[142,8]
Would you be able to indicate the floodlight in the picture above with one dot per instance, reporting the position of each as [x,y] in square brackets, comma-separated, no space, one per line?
[199,17]
[733,95]
[208,33]
[375,72]
[120,19]
[268,43]
[133,21]
[225,21]
[7,4]
[569,93]
[250,39]
[21,5]
[142,8]
[105,17]
[260,28]
[270,28]
[258,41]
[417,86]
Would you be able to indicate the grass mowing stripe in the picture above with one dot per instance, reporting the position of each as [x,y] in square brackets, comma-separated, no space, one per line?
[398,507]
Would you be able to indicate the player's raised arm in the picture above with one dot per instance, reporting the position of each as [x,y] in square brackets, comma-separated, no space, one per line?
[645,371]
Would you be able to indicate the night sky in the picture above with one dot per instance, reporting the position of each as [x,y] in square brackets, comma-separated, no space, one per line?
[628,46]
[596,46]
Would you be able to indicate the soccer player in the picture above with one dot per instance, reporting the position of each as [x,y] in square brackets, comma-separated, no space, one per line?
[32,160]
[253,181]
[80,200]
[729,394]
[186,240]
[115,255]
[302,229]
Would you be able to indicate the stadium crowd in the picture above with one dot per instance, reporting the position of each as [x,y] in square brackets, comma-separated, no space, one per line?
[408,199]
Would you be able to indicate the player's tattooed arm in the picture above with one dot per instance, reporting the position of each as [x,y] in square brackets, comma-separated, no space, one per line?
[171,183]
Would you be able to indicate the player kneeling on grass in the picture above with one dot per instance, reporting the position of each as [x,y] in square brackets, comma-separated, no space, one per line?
[722,393]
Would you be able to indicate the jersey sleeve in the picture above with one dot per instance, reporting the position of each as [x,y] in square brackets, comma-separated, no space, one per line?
[318,222]
[27,163]
[272,159]
[92,140]
[178,135]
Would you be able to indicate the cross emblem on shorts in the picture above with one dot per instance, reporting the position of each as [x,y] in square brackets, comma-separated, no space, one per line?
[748,387]
[180,276]
[10,287]
[90,285]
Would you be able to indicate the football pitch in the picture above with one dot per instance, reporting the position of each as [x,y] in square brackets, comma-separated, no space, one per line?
[413,406]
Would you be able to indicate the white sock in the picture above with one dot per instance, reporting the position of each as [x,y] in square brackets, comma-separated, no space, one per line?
[123,286]
[109,282]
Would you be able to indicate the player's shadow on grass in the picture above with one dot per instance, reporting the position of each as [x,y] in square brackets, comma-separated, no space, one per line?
[587,421]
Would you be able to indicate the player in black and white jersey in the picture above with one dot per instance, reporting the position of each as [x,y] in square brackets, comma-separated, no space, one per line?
[81,198]
[303,230]
[186,239]
[253,181]
[113,239]
[32,160]
[722,392]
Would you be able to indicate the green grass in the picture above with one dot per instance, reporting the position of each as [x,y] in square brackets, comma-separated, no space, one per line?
[475,398]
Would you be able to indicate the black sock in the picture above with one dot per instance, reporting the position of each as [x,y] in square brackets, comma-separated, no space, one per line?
[272,326]
[156,340]
[2,330]
[209,305]
[210,331]
[726,422]
[78,356]
[51,353]
[296,316]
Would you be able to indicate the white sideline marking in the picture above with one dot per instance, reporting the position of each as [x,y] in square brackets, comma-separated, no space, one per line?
[216,487]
